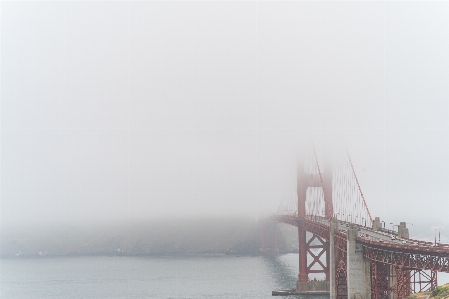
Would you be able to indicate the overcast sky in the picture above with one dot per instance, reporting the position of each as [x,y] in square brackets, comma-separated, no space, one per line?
[117,111]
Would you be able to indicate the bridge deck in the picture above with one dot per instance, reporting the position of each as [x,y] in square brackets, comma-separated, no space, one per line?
[382,245]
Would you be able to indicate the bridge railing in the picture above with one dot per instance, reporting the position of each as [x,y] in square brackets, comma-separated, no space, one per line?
[388,231]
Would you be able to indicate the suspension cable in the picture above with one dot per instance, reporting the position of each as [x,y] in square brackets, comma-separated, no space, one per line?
[358,185]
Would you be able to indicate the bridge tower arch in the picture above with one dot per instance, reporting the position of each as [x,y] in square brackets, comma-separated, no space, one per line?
[314,253]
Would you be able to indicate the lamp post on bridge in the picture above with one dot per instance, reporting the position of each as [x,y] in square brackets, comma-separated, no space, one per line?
[439,236]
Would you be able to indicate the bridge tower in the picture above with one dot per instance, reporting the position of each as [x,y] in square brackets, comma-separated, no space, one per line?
[268,238]
[312,248]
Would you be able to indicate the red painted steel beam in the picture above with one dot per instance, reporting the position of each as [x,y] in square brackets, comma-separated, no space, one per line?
[316,258]
[316,228]
[422,261]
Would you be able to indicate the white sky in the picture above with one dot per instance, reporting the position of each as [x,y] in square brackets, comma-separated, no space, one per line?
[116,111]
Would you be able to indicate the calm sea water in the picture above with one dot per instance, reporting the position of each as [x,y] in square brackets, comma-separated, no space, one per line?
[213,276]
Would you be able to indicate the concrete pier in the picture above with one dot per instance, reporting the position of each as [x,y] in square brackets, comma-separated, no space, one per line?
[359,282]
[313,286]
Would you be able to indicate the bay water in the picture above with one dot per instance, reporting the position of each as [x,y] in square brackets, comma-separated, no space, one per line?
[200,276]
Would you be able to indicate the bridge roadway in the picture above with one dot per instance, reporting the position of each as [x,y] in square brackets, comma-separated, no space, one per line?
[383,236]
[380,245]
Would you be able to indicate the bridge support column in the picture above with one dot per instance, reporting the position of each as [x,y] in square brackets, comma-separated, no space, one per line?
[333,288]
[302,185]
[303,276]
[359,274]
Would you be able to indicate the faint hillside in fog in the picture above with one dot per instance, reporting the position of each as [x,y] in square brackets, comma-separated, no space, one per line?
[181,236]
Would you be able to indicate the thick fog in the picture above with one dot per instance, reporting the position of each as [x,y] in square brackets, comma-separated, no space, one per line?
[129,111]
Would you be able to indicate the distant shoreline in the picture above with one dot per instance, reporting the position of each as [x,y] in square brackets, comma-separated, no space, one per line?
[223,236]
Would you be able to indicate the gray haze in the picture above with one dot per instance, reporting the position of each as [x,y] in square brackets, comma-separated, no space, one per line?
[127,111]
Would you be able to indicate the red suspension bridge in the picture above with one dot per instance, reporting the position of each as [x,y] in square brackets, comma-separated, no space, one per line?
[339,239]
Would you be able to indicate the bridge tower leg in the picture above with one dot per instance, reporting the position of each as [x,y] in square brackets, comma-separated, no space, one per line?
[359,268]
[268,238]
[303,276]
[332,261]
[327,188]
[302,185]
